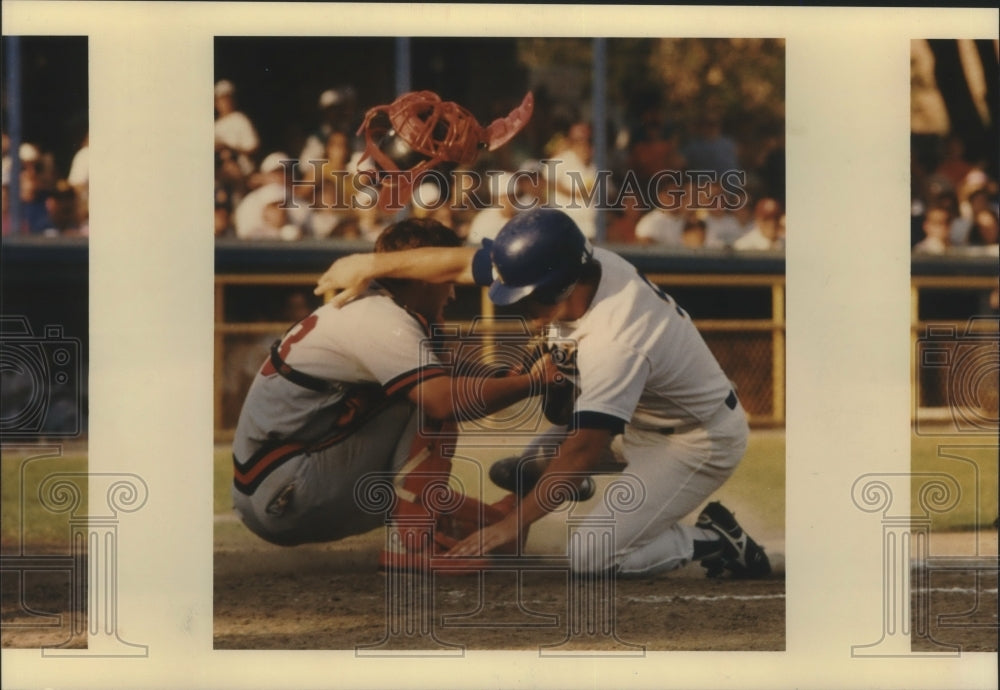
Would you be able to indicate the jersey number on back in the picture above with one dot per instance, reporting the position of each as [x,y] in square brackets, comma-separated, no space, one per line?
[665,297]
[297,333]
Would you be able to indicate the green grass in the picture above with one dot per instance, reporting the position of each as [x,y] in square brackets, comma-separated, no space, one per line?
[969,461]
[25,522]
[223,480]
[759,481]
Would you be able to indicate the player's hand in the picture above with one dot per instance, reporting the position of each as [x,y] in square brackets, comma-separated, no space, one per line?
[545,370]
[487,539]
[346,279]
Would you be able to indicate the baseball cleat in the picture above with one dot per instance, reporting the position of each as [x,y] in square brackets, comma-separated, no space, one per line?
[741,555]
[503,473]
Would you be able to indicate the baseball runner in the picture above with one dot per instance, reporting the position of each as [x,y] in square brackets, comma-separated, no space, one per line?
[649,396]
[337,399]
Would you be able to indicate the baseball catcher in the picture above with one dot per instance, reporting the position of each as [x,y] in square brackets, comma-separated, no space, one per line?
[341,396]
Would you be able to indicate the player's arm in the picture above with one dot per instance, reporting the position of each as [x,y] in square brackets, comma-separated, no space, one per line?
[447,398]
[349,276]
[612,380]
[579,455]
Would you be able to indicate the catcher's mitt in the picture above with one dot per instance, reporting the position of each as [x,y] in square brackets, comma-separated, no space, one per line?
[419,132]
[558,398]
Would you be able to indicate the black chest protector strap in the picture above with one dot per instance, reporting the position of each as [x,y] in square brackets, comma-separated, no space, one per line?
[297,377]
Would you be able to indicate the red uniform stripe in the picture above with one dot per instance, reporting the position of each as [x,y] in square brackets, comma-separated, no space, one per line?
[405,381]
[265,462]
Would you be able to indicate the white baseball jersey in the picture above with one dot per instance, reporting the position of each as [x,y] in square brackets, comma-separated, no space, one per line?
[640,358]
[364,355]
[645,371]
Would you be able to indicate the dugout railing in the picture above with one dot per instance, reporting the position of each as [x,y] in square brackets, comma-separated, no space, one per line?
[954,336]
[46,280]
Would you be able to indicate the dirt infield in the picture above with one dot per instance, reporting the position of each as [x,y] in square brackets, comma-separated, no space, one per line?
[333,597]
[953,603]
[36,610]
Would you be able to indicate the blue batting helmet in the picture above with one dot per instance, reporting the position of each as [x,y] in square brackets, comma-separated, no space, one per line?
[540,253]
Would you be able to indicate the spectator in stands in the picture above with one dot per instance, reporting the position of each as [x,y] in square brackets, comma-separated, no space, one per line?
[430,201]
[653,145]
[63,211]
[270,211]
[984,229]
[261,216]
[531,185]
[336,165]
[664,224]
[371,219]
[336,114]
[943,194]
[488,221]
[274,169]
[953,167]
[623,221]
[7,223]
[233,129]
[7,158]
[766,233]
[223,214]
[79,179]
[975,195]
[710,149]
[229,175]
[936,225]
[694,234]
[569,170]
[332,206]
[723,226]
[34,191]
[771,169]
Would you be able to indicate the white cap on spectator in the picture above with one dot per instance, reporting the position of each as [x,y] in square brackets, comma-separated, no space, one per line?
[28,152]
[429,194]
[273,193]
[975,180]
[224,88]
[273,162]
[328,98]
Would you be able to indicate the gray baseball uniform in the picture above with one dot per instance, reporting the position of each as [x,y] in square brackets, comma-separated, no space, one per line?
[327,407]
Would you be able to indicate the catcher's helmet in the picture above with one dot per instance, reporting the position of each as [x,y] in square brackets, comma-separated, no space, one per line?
[540,254]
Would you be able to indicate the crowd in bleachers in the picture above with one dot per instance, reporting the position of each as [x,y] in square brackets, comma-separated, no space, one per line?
[52,202]
[662,186]
[954,200]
